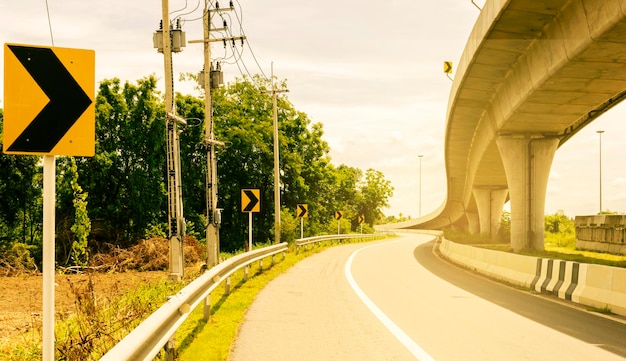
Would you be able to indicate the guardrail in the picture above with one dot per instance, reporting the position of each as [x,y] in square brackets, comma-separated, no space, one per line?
[147,339]
[303,242]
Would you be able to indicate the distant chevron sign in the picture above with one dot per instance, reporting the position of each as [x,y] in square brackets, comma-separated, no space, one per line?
[250,200]
[303,211]
[49,108]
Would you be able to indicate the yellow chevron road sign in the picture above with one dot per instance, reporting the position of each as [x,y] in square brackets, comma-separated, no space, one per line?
[49,101]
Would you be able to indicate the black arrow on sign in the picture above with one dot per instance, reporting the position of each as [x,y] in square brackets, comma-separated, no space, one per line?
[67,102]
[253,200]
[302,210]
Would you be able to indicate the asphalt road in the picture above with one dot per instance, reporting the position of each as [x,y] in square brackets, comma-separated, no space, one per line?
[394,300]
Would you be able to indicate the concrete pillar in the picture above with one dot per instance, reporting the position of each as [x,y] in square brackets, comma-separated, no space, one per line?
[473,222]
[527,161]
[489,201]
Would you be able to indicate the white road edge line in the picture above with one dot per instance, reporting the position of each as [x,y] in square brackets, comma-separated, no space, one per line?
[410,345]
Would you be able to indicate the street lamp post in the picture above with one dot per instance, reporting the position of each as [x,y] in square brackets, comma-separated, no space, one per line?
[420,185]
[600,135]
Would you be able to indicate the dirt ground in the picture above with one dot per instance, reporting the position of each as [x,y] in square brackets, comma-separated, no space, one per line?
[21,297]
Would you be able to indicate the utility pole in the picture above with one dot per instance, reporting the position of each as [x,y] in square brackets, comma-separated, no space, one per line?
[212,231]
[207,82]
[276,162]
[168,41]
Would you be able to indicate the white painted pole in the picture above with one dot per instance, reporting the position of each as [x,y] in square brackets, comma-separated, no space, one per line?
[249,231]
[301,227]
[49,200]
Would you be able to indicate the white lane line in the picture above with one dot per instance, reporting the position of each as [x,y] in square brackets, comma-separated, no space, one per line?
[410,345]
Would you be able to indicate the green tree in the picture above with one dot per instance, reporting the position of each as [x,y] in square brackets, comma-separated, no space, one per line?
[243,115]
[193,152]
[82,224]
[20,199]
[375,194]
[125,180]
[559,230]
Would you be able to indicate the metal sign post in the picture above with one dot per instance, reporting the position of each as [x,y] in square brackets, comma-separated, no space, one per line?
[361,219]
[338,216]
[302,212]
[64,125]
[250,203]
[49,201]
[249,231]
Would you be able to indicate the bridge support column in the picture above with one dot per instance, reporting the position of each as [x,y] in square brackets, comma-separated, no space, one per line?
[527,161]
[489,202]
[473,222]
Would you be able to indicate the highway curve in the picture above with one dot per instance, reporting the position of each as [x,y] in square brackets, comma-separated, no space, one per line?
[395,300]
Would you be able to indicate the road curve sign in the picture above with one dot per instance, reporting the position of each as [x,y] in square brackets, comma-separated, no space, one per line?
[302,211]
[250,200]
[49,101]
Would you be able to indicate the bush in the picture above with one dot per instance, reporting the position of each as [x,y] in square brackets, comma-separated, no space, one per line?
[100,321]
[17,260]
[148,255]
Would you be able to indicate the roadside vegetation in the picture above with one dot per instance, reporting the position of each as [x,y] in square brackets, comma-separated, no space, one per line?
[118,198]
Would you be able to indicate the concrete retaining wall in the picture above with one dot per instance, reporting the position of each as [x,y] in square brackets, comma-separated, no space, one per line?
[597,286]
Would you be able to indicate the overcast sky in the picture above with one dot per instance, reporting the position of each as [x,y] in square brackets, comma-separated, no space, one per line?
[370,71]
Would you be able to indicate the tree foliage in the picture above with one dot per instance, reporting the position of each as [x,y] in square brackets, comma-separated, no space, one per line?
[125,180]
[120,195]
[20,199]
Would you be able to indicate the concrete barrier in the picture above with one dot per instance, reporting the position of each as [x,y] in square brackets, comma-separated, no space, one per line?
[597,286]
[508,267]
[602,287]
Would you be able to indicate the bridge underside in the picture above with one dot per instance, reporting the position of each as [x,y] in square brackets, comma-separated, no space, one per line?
[533,74]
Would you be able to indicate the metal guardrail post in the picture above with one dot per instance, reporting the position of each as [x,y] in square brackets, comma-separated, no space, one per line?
[207,308]
[227,286]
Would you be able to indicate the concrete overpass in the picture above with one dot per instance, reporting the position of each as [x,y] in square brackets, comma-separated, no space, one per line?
[533,73]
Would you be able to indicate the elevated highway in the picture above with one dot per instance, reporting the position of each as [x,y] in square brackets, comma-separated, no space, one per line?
[533,73]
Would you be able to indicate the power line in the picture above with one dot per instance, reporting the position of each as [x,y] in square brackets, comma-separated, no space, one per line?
[231,55]
[240,20]
[49,22]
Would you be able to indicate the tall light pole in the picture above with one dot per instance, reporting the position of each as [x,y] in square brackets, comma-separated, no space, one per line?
[420,186]
[600,134]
